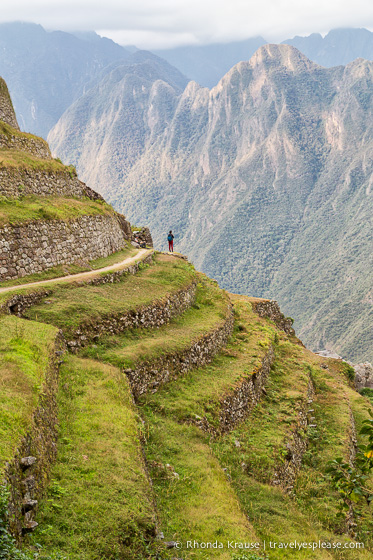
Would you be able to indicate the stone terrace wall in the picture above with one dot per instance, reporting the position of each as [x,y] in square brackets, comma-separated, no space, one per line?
[158,313]
[27,474]
[39,245]
[7,113]
[237,405]
[16,182]
[271,310]
[149,375]
[287,470]
[31,144]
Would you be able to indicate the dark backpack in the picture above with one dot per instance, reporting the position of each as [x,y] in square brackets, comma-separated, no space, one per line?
[170,237]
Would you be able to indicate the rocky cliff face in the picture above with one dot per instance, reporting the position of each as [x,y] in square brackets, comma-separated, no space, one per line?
[266,180]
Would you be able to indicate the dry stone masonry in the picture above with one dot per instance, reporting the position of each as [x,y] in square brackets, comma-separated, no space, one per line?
[39,245]
[151,374]
[25,143]
[155,315]
[27,474]
[271,310]
[235,406]
[287,470]
[7,113]
[15,182]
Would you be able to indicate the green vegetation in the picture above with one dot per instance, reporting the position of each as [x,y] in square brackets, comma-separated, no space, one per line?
[133,346]
[70,305]
[200,392]
[9,132]
[16,159]
[25,349]
[99,504]
[209,484]
[64,270]
[265,433]
[30,208]
[194,497]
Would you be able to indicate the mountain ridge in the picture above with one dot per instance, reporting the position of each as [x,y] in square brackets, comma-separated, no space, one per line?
[258,154]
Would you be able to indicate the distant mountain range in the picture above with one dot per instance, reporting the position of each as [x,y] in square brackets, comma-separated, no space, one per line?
[266,179]
[207,64]
[47,71]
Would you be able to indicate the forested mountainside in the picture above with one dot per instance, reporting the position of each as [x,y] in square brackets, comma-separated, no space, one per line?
[266,180]
[207,64]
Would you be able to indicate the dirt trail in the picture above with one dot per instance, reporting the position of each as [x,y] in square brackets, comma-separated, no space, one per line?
[141,255]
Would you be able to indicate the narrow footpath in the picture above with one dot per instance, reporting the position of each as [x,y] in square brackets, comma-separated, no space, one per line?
[141,255]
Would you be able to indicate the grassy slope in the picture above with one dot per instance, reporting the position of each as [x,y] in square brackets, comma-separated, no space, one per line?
[70,305]
[99,503]
[200,392]
[24,356]
[264,435]
[30,208]
[309,513]
[124,350]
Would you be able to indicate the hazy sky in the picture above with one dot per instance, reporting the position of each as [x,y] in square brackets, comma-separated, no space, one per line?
[166,23]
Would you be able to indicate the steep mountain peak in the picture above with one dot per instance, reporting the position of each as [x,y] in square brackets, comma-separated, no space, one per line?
[272,55]
[360,68]
[7,113]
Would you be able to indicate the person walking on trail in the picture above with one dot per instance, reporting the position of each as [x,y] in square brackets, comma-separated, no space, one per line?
[170,238]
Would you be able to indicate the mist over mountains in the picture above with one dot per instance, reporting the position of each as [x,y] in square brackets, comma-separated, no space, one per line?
[266,179]
[46,71]
[207,64]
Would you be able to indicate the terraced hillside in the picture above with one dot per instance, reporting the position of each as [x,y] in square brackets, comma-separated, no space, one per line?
[148,414]
[185,417]
[48,218]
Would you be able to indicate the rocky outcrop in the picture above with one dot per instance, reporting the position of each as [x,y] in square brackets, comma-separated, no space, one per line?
[40,245]
[271,310]
[151,374]
[15,182]
[7,113]
[27,474]
[363,376]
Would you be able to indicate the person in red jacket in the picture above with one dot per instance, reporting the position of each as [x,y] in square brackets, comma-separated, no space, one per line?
[170,238]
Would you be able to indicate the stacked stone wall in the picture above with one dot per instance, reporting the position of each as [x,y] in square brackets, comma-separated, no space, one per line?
[237,405]
[287,470]
[7,113]
[28,472]
[270,309]
[37,246]
[151,374]
[31,144]
[155,315]
[16,182]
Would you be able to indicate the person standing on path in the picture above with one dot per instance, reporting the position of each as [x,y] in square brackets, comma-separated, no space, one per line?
[170,238]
